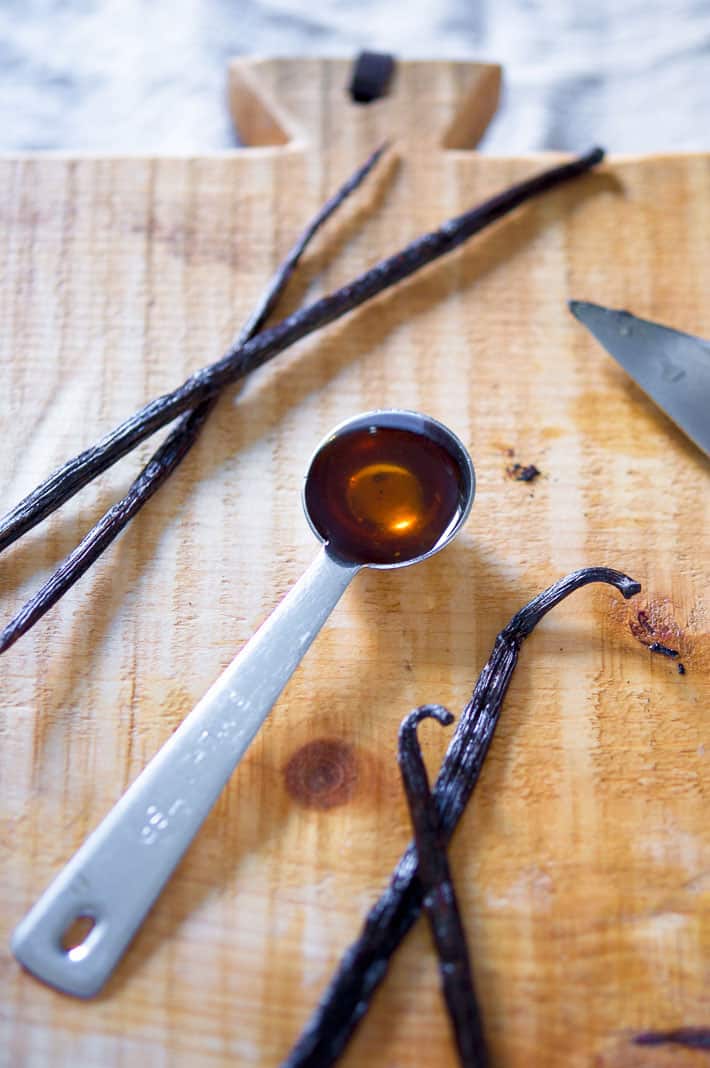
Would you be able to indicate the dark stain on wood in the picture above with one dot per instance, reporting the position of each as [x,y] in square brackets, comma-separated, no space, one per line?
[322,774]
[655,628]
[689,1037]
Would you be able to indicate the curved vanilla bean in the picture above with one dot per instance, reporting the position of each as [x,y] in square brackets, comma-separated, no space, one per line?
[365,962]
[241,359]
[439,900]
[178,443]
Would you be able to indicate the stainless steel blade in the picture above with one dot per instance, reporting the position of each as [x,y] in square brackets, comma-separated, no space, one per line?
[671,367]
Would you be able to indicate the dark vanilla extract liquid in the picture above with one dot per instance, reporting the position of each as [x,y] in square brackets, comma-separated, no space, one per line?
[382,495]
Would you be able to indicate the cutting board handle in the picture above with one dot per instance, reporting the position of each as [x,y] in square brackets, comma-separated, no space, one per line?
[306,102]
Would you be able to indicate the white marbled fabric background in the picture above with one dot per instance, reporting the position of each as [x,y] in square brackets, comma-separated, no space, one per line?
[148,75]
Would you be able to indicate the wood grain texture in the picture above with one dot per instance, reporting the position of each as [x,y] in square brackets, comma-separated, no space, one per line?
[583,863]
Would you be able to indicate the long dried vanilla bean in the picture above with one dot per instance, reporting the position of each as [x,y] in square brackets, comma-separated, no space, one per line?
[365,962]
[241,359]
[177,444]
[439,900]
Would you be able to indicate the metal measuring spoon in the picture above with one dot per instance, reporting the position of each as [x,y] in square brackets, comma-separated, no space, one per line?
[401,515]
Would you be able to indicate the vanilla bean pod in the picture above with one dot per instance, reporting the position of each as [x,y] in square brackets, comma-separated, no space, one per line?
[439,901]
[242,359]
[365,962]
[178,442]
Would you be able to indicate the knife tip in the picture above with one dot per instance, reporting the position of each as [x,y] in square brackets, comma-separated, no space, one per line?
[577,307]
[583,309]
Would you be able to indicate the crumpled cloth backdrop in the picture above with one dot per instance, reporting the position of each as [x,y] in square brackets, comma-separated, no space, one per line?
[149,75]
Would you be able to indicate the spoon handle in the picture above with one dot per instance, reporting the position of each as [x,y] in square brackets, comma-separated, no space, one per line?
[119,871]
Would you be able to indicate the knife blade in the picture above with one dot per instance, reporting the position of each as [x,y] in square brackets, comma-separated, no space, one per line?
[673,368]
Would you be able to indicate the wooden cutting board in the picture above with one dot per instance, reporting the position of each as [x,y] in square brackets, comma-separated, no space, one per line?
[583,861]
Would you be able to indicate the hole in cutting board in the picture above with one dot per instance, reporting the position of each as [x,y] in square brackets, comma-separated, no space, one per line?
[75,935]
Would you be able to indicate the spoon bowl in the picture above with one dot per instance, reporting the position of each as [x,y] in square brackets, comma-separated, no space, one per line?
[388,488]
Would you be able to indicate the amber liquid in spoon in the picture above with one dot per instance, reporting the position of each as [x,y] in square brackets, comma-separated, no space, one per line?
[383,495]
